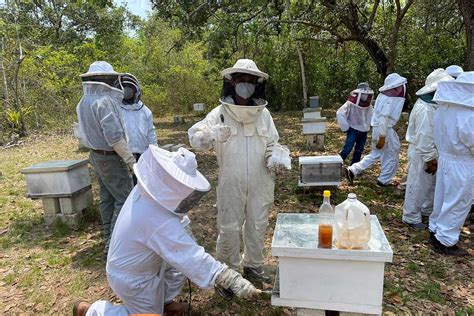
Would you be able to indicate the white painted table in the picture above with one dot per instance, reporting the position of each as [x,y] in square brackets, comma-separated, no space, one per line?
[327,279]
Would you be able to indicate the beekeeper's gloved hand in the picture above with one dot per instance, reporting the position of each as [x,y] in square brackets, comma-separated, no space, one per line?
[431,166]
[242,288]
[121,148]
[380,142]
[221,133]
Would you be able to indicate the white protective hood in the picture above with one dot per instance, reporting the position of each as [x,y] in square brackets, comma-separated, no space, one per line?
[457,92]
[393,80]
[435,77]
[246,66]
[242,113]
[171,179]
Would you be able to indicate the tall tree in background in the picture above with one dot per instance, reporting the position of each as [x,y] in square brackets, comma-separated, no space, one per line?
[467,10]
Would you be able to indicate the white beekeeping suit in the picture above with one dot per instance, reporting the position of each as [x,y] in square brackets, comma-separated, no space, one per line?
[149,238]
[454,139]
[243,138]
[385,141]
[421,178]
[138,121]
[137,117]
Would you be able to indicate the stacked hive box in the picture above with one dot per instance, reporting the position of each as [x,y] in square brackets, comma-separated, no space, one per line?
[64,187]
[320,170]
[314,126]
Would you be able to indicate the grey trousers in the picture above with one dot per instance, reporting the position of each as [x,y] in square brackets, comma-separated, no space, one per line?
[115,184]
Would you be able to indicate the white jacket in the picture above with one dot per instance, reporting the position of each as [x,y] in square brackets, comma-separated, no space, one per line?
[357,117]
[138,121]
[420,130]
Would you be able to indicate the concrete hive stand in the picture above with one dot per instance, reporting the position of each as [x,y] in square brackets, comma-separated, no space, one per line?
[314,280]
[314,127]
[64,187]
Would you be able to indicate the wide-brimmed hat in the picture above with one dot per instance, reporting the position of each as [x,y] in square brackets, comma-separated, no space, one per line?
[457,92]
[246,66]
[454,70]
[392,81]
[431,83]
[364,87]
[169,178]
[100,68]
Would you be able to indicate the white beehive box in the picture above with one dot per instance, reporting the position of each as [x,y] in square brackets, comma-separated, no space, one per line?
[312,113]
[59,178]
[199,107]
[320,170]
[314,125]
[327,279]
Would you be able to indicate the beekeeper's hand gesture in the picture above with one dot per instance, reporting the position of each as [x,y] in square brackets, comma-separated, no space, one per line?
[242,288]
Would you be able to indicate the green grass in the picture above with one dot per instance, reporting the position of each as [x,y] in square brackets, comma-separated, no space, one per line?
[430,291]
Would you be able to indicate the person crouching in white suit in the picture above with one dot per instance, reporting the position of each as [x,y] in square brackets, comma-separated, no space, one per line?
[150,237]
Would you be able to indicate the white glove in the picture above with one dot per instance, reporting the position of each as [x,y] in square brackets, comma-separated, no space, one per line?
[221,133]
[280,158]
[121,148]
[242,288]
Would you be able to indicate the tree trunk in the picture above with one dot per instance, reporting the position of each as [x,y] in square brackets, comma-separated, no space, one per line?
[467,10]
[4,76]
[303,77]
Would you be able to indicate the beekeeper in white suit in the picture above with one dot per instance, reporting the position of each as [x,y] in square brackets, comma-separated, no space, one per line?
[422,153]
[137,118]
[454,139]
[102,129]
[385,142]
[243,134]
[149,237]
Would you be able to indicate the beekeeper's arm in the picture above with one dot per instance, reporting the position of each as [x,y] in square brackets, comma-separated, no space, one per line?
[113,131]
[177,248]
[425,146]
[341,116]
[203,134]
[151,135]
[273,136]
[466,134]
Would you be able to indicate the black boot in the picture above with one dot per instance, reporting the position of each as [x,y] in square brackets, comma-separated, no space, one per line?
[256,274]
[450,251]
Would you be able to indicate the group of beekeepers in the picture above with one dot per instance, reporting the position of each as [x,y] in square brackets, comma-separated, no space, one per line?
[149,247]
[440,180]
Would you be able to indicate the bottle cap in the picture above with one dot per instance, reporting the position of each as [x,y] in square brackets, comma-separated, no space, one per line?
[327,193]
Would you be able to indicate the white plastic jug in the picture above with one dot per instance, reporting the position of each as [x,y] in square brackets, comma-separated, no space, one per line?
[352,224]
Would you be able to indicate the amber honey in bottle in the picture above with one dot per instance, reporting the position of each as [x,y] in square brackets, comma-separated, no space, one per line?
[326,220]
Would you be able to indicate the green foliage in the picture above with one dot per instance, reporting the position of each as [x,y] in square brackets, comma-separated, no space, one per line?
[178,52]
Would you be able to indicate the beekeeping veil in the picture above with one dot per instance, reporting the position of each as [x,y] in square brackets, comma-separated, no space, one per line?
[131,89]
[171,179]
[244,113]
[102,72]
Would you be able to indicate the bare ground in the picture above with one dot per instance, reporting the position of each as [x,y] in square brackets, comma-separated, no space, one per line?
[45,269]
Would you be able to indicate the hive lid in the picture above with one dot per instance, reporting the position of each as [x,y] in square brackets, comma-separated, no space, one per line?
[296,235]
[317,109]
[309,160]
[313,120]
[54,166]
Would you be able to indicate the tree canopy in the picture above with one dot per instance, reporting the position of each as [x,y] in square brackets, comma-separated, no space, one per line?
[308,47]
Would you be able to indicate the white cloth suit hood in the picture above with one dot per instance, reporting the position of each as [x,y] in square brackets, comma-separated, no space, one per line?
[171,179]
[244,113]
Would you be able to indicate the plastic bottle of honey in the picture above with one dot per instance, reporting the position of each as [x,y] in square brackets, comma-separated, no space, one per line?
[326,220]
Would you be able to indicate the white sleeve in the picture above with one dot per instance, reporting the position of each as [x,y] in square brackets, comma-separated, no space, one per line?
[151,135]
[341,116]
[425,146]
[273,138]
[176,247]
[466,133]
[200,135]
